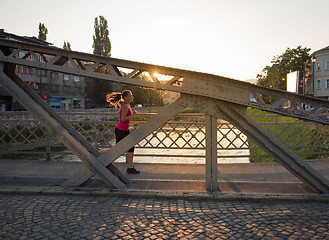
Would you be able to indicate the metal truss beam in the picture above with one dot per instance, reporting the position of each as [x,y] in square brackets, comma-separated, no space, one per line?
[201,84]
[214,95]
[67,134]
[236,115]
[131,140]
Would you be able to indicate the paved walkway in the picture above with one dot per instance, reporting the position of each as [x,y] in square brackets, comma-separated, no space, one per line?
[245,178]
[26,216]
[164,202]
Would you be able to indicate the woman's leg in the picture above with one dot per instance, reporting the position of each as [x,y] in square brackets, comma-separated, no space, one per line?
[129,158]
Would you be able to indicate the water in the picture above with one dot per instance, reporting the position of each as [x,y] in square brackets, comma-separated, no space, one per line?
[195,156]
[191,144]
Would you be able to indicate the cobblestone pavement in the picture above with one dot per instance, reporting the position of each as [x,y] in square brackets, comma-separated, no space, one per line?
[117,217]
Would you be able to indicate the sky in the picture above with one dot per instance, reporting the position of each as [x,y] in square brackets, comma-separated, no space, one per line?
[234,39]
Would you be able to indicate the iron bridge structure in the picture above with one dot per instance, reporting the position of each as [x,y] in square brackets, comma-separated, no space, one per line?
[216,96]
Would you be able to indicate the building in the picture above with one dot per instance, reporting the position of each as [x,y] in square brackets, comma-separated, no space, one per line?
[61,91]
[320,77]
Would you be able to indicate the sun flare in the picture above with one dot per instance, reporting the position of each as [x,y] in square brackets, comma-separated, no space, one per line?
[162,77]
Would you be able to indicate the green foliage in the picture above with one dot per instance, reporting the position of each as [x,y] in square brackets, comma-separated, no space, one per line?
[275,76]
[144,96]
[19,134]
[140,118]
[291,135]
[100,127]
[86,126]
[101,44]
[102,88]
[43,31]
[67,46]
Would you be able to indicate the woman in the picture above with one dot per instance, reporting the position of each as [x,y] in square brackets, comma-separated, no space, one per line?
[126,114]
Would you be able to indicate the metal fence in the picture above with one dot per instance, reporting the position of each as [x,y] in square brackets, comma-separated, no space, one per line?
[182,137]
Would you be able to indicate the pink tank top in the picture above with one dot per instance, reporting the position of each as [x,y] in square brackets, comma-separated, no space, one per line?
[124,126]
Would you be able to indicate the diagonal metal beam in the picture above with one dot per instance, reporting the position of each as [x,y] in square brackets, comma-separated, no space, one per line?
[128,142]
[195,83]
[90,148]
[21,94]
[33,94]
[236,115]
[215,89]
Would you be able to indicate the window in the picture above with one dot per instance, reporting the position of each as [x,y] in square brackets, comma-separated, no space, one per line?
[24,70]
[318,66]
[44,86]
[76,78]
[53,75]
[54,88]
[77,90]
[40,58]
[327,83]
[318,84]
[30,70]
[66,77]
[327,65]
[67,89]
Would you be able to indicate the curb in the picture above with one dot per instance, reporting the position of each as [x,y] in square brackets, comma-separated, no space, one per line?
[221,196]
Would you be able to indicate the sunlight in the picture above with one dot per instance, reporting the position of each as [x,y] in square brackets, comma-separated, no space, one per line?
[162,77]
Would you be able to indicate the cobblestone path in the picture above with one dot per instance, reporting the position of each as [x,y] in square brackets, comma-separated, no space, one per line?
[94,217]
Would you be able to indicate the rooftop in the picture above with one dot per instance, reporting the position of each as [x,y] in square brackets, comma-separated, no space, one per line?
[12,36]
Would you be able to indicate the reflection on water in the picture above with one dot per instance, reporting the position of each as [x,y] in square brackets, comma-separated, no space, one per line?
[179,145]
[181,156]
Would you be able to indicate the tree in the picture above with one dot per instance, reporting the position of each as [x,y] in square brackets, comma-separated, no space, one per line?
[275,76]
[144,96]
[67,46]
[43,31]
[102,44]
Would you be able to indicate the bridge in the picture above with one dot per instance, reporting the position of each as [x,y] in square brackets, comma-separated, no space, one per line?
[216,96]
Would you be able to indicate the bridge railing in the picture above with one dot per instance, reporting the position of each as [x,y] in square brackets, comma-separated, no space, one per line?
[182,137]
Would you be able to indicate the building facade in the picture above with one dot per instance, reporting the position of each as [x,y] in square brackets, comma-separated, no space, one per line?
[320,76]
[62,91]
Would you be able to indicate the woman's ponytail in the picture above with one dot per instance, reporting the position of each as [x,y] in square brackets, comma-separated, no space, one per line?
[114,99]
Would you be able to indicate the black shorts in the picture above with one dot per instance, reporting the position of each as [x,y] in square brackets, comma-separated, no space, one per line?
[120,134]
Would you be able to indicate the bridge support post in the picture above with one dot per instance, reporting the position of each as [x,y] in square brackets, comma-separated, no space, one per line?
[211,154]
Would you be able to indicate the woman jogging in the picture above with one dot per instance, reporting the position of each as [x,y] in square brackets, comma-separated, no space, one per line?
[126,114]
